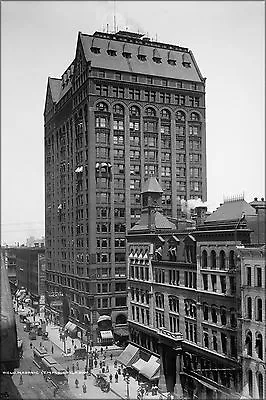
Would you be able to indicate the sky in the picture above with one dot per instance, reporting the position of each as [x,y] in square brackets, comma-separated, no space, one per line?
[38,39]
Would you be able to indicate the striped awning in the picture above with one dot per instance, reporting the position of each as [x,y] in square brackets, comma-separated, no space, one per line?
[70,327]
[106,334]
[129,356]
[138,365]
[151,367]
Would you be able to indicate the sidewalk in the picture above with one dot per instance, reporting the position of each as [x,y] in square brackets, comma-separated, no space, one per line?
[119,389]
[54,336]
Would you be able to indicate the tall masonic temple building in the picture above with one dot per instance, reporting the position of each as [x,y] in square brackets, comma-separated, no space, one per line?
[125,109]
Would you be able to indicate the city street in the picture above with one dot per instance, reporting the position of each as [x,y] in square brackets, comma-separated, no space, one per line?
[34,386]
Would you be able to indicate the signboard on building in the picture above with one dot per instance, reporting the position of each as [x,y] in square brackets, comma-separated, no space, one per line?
[41,274]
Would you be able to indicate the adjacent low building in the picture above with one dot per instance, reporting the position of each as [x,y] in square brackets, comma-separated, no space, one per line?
[185,300]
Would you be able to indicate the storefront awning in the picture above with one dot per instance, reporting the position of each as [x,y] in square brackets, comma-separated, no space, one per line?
[104,318]
[138,365]
[129,356]
[70,327]
[151,367]
[106,334]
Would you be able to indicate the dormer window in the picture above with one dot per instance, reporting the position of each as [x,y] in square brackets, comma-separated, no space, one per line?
[186,62]
[156,56]
[157,60]
[172,62]
[95,50]
[111,52]
[126,55]
[127,50]
[142,57]
[171,58]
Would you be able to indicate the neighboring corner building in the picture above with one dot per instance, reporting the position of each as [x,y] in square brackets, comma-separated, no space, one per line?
[125,108]
[30,267]
[253,310]
[185,301]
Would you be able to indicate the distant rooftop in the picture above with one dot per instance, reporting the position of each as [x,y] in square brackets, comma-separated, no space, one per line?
[231,210]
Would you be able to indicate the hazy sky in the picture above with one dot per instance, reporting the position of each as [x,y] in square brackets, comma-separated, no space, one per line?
[39,40]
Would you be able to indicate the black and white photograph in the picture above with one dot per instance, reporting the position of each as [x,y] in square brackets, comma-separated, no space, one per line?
[133,211]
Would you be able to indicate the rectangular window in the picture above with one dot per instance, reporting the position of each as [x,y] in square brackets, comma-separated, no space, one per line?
[259,277]
[248,276]
[205,282]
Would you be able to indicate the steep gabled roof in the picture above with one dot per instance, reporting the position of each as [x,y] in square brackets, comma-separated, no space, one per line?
[160,222]
[152,186]
[231,211]
[147,67]
[55,86]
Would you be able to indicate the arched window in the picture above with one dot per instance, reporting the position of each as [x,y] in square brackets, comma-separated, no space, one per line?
[250,383]
[101,107]
[259,310]
[231,259]
[249,308]
[180,116]
[134,111]
[149,111]
[213,259]
[121,319]
[204,259]
[249,343]
[258,345]
[165,114]
[260,385]
[214,314]
[222,260]
[194,116]
[118,109]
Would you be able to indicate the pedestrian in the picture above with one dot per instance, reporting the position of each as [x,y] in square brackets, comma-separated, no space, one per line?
[73,368]
[52,349]
[30,372]
[84,387]
[116,377]
[101,351]
[75,347]
[73,342]
[95,363]
[111,356]
[107,368]
[85,376]
[77,366]
[67,369]
[21,380]
[115,363]
[103,370]
[101,364]
[31,345]
[40,344]
[119,371]
[77,383]
[110,378]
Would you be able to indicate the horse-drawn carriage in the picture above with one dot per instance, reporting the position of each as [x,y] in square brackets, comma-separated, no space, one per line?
[102,383]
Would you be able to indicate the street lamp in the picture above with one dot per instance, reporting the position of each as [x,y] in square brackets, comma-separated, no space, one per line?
[127,382]
[87,351]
